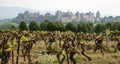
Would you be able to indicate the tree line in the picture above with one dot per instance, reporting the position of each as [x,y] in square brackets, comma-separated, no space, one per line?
[86,27]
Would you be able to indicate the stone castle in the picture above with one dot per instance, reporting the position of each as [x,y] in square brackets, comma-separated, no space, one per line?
[59,16]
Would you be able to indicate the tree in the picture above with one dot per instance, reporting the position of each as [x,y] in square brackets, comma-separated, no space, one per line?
[90,27]
[47,25]
[109,25]
[59,26]
[13,27]
[85,27]
[116,26]
[99,28]
[43,25]
[23,26]
[51,26]
[33,25]
[71,26]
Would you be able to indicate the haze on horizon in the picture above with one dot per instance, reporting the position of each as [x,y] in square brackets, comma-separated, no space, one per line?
[110,7]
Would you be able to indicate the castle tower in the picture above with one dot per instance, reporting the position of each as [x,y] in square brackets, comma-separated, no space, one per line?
[58,15]
[98,16]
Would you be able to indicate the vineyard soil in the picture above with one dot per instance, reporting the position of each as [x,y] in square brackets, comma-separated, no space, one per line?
[39,54]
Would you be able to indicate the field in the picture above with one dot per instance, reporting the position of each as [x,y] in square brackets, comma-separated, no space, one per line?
[97,58]
[39,54]
[44,49]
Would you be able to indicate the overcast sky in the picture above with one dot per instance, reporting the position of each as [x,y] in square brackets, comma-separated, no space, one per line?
[111,7]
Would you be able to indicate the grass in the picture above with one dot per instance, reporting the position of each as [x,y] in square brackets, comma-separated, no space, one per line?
[38,53]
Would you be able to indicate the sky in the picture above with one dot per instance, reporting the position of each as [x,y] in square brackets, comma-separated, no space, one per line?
[109,7]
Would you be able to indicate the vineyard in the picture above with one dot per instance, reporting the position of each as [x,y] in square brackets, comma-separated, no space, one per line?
[55,47]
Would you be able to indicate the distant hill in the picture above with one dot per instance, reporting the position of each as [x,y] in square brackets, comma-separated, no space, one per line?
[12,12]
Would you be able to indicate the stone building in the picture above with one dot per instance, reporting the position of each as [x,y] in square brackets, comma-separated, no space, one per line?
[97,16]
[58,16]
